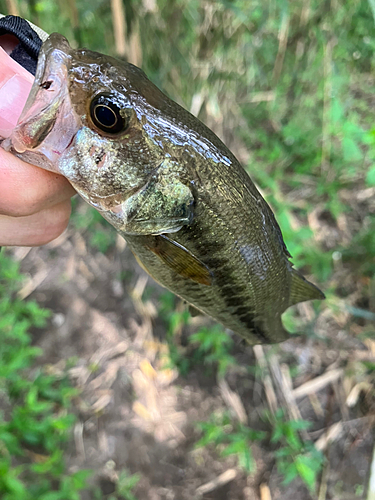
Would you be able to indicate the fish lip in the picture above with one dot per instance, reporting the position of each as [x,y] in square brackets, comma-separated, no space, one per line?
[48,123]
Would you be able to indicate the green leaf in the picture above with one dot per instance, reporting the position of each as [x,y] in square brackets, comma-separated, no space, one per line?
[290,473]
[300,424]
[246,460]
[127,482]
[306,471]
[49,464]
[233,448]
[80,478]
[351,151]
[370,177]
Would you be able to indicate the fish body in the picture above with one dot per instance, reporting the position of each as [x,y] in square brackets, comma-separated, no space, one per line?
[186,207]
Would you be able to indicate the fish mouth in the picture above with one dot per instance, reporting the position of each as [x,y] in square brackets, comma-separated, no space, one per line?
[48,123]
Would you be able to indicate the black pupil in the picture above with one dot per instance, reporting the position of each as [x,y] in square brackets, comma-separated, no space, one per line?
[105,116]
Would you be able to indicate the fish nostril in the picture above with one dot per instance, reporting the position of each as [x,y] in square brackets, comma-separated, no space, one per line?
[46,85]
[98,154]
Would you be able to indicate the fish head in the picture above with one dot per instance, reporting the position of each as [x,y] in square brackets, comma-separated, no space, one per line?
[86,118]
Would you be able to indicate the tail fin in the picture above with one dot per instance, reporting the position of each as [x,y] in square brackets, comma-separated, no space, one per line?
[302,290]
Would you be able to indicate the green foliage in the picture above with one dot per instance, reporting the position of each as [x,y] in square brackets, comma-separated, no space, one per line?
[86,219]
[230,437]
[208,347]
[295,457]
[174,320]
[214,345]
[36,421]
[370,140]
[126,483]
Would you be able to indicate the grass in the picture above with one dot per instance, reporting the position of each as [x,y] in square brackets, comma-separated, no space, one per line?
[208,347]
[230,437]
[36,416]
[293,456]
[36,409]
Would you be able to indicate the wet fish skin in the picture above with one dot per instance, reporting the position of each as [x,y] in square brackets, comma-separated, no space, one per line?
[187,208]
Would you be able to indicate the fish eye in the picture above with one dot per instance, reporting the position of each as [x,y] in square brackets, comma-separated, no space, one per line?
[106,114]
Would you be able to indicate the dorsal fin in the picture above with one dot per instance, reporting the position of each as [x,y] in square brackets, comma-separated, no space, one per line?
[302,289]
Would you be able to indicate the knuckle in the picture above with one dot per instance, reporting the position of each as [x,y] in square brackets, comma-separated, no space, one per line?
[58,219]
[27,204]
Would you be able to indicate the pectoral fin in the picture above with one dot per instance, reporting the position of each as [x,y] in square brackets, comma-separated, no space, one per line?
[179,259]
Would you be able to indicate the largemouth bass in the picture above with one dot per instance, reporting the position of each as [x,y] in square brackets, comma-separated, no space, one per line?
[171,188]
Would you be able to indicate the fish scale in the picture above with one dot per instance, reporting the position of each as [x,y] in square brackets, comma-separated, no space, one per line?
[231,299]
[188,210]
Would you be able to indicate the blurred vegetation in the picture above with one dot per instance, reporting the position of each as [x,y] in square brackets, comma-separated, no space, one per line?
[293,456]
[231,438]
[36,419]
[288,85]
[207,347]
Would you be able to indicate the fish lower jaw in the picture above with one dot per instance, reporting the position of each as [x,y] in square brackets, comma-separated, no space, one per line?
[14,145]
[36,158]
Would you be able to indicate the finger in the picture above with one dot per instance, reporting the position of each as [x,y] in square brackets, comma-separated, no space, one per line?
[26,190]
[9,43]
[37,229]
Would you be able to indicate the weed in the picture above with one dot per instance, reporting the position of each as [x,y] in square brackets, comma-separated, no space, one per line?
[230,437]
[209,346]
[36,421]
[126,484]
[213,347]
[101,235]
[295,457]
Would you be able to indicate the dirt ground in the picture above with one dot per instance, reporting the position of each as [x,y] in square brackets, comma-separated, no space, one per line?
[135,410]
[135,413]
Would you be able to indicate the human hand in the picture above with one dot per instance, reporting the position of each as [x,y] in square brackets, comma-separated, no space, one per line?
[34,203]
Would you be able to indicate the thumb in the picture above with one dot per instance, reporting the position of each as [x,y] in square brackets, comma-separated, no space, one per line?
[15,85]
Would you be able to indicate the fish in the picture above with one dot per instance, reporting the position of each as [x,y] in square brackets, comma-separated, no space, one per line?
[186,207]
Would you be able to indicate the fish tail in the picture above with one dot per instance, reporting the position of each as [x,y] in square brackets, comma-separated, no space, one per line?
[302,289]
